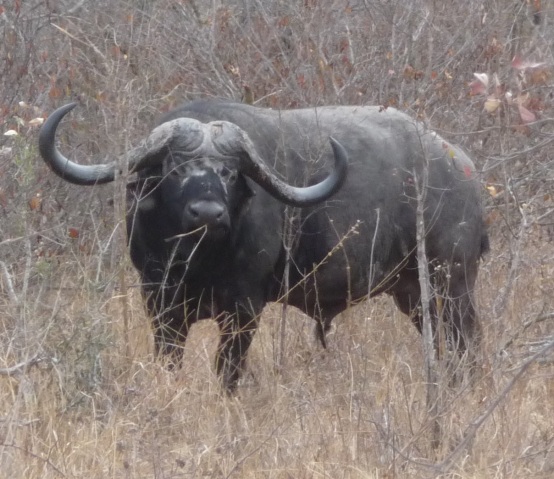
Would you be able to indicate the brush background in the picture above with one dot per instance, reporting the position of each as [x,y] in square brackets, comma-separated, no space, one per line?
[96,405]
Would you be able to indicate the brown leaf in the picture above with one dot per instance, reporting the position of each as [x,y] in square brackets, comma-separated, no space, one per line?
[477,88]
[55,92]
[522,129]
[492,217]
[539,76]
[526,115]
[410,73]
[35,202]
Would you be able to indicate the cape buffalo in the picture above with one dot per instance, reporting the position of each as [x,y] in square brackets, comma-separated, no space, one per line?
[207,225]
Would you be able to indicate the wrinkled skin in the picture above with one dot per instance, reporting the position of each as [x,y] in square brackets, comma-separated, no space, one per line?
[357,244]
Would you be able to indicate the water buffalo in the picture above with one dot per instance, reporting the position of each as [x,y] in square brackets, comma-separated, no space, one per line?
[207,224]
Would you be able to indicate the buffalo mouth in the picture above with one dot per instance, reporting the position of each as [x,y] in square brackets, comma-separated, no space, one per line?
[210,233]
[202,234]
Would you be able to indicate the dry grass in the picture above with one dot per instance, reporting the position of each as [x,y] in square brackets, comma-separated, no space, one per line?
[99,406]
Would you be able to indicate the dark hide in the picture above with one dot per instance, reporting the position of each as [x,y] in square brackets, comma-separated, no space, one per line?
[372,217]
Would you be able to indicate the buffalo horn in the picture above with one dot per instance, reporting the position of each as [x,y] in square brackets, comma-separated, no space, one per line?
[193,139]
[239,144]
[149,153]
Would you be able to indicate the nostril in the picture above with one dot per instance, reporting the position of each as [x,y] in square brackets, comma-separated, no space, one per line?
[193,211]
[205,213]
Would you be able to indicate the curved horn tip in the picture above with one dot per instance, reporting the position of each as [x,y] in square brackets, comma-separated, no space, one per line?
[69,106]
[336,144]
[63,110]
[48,129]
[62,166]
[55,117]
[341,155]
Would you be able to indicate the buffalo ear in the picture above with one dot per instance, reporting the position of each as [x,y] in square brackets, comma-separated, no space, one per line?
[142,186]
[142,189]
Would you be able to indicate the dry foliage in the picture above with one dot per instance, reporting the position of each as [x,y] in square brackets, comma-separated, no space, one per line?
[80,394]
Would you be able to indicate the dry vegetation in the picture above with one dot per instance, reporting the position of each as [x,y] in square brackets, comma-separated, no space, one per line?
[80,394]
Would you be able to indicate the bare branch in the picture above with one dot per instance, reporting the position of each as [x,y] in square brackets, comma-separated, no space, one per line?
[473,428]
[524,327]
[9,284]
[21,367]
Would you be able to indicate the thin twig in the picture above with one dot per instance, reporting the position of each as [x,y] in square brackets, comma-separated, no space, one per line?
[502,299]
[9,284]
[471,430]
[288,240]
[421,183]
[36,456]
[78,40]
[184,235]
[19,368]
[524,327]
[354,230]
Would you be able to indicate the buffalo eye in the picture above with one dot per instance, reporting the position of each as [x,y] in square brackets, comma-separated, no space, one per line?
[228,175]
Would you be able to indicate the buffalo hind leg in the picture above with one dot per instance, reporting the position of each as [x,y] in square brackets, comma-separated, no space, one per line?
[237,333]
[463,333]
[454,311]
[166,308]
[409,302]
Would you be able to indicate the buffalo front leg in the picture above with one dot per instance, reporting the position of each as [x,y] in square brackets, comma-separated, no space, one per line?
[456,331]
[170,325]
[236,336]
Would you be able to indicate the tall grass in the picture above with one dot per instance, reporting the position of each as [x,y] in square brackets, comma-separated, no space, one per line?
[93,407]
